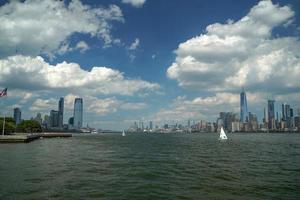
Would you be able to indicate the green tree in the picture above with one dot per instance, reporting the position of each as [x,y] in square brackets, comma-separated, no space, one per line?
[9,125]
[29,126]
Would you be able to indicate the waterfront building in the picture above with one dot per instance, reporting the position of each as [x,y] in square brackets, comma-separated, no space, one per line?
[46,121]
[136,127]
[297,122]
[61,112]
[53,119]
[283,107]
[71,123]
[265,116]
[271,114]
[38,118]
[253,122]
[78,113]
[189,123]
[151,125]
[226,119]
[243,107]
[235,126]
[17,115]
[287,113]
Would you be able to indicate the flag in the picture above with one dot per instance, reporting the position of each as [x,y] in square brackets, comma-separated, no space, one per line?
[3,93]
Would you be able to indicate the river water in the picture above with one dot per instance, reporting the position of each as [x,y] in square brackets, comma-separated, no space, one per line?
[153,166]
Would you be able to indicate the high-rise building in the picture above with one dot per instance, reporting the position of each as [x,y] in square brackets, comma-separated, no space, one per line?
[283,112]
[54,119]
[17,115]
[61,112]
[243,107]
[71,123]
[271,114]
[46,121]
[226,119]
[189,123]
[151,125]
[78,113]
[297,121]
[38,118]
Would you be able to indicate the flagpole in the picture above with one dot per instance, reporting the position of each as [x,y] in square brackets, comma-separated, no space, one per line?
[3,128]
[3,93]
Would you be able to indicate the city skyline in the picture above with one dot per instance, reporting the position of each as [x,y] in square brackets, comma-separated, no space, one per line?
[287,119]
[131,65]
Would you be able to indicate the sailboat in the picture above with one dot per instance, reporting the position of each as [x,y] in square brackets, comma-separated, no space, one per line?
[123,133]
[222,134]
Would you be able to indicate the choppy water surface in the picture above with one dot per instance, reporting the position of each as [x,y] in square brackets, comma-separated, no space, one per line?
[153,166]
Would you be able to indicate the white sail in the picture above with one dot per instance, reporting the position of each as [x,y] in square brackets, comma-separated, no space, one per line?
[222,134]
[123,133]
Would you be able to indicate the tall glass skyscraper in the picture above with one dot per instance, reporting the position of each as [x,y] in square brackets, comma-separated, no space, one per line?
[244,107]
[78,112]
[271,114]
[61,112]
[17,115]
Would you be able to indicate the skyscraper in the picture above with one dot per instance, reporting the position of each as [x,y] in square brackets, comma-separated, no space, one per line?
[61,112]
[243,107]
[271,114]
[283,106]
[54,118]
[17,115]
[78,112]
[150,125]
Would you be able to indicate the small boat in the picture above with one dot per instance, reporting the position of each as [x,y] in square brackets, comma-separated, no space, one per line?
[123,133]
[222,134]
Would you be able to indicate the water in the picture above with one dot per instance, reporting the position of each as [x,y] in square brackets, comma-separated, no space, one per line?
[153,166]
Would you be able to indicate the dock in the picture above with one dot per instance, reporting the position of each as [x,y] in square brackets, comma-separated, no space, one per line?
[18,138]
[55,135]
[26,138]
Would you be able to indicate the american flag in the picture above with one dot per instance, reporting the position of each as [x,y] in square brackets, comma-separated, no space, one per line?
[3,92]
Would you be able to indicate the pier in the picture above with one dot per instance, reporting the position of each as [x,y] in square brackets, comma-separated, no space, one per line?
[26,138]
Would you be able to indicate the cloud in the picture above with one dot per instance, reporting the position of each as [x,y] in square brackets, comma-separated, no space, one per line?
[135,44]
[207,108]
[101,106]
[36,27]
[92,105]
[133,48]
[82,46]
[44,105]
[243,53]
[133,106]
[135,3]
[28,73]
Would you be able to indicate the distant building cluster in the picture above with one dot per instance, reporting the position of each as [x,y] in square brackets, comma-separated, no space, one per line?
[55,119]
[285,120]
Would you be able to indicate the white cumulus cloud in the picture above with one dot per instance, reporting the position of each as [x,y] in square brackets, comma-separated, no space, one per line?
[34,27]
[229,56]
[135,3]
[28,73]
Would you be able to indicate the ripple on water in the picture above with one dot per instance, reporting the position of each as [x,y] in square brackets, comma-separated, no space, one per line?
[139,166]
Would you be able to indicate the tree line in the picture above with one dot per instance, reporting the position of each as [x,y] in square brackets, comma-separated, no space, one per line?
[26,126]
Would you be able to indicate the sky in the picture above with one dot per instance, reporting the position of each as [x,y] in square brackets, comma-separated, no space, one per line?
[166,61]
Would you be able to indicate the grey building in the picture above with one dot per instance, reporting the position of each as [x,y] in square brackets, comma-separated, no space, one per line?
[17,115]
[243,107]
[61,112]
[271,114]
[78,113]
[54,119]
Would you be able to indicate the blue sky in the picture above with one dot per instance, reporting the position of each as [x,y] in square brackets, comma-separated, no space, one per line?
[142,60]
